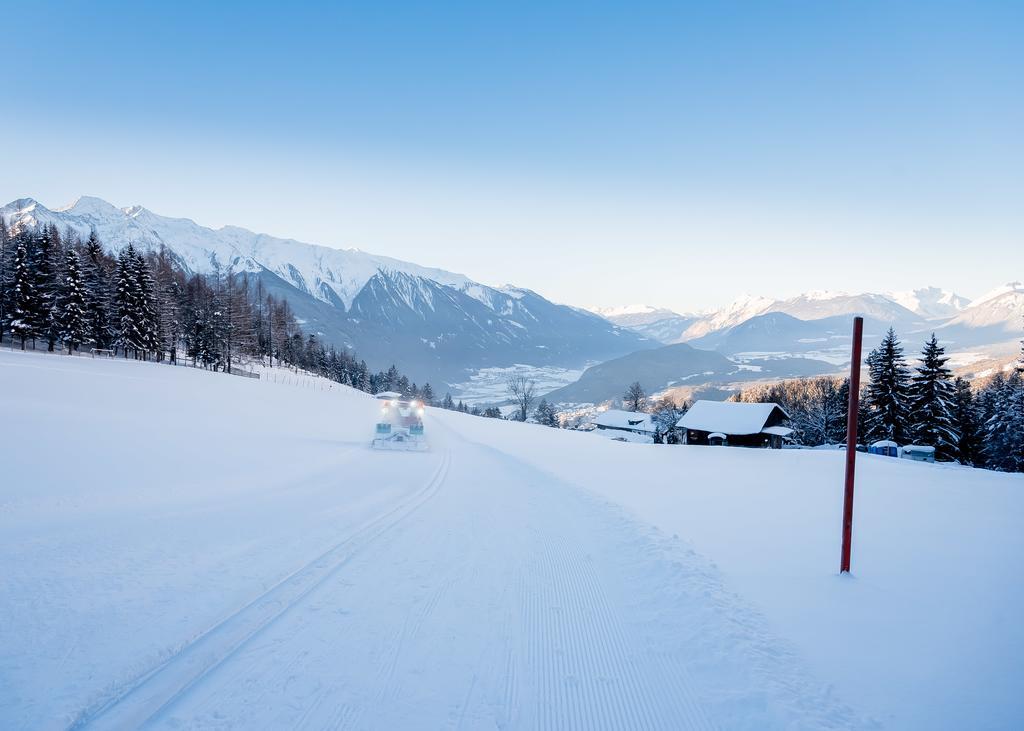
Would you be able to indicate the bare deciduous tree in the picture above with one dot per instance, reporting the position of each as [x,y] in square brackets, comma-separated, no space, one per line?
[523,392]
[635,397]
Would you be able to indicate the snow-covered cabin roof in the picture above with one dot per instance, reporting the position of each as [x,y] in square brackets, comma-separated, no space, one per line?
[885,443]
[729,417]
[918,449]
[631,420]
[779,431]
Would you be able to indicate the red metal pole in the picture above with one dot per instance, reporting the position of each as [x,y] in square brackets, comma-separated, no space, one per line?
[851,442]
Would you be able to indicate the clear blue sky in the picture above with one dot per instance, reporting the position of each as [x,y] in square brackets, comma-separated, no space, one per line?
[600,153]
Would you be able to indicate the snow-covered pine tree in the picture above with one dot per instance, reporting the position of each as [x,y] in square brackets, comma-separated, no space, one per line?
[447,402]
[169,320]
[546,414]
[888,392]
[361,379]
[126,303]
[44,267]
[965,422]
[665,415]
[428,394]
[6,269]
[146,314]
[70,312]
[24,301]
[932,402]
[1004,427]
[97,294]
[391,377]
[822,415]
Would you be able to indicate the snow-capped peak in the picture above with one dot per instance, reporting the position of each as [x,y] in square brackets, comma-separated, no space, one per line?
[742,308]
[930,302]
[1014,287]
[88,205]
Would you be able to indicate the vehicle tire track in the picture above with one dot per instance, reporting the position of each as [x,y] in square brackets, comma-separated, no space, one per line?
[136,703]
[582,655]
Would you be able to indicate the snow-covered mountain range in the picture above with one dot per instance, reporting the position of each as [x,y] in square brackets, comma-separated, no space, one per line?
[928,307]
[444,327]
[804,335]
[438,325]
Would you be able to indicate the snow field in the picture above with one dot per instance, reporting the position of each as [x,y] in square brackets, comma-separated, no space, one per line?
[191,550]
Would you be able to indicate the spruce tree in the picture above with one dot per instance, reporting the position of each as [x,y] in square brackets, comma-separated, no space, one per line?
[71,304]
[6,275]
[45,269]
[24,302]
[965,422]
[391,379]
[888,393]
[97,295]
[126,303]
[546,414]
[1004,428]
[932,402]
[145,308]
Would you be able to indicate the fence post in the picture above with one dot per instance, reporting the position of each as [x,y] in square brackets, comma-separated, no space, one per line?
[851,443]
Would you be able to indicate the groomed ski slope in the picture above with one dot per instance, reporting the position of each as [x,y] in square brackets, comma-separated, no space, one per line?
[183,549]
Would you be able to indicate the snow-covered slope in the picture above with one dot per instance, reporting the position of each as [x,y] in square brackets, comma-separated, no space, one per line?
[997,316]
[437,325]
[249,563]
[737,311]
[931,302]
[330,275]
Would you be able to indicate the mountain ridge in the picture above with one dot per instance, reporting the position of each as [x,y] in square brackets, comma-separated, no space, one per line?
[439,325]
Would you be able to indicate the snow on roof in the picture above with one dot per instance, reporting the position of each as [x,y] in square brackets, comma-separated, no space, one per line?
[885,443]
[728,417]
[918,448]
[779,431]
[388,395]
[617,419]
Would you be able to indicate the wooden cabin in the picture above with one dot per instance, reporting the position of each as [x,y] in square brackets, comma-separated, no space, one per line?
[725,423]
[633,422]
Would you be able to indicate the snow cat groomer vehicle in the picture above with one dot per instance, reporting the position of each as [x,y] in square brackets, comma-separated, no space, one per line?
[401,423]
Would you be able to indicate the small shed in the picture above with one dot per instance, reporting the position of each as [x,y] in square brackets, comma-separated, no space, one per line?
[919,453]
[633,422]
[735,424]
[885,447]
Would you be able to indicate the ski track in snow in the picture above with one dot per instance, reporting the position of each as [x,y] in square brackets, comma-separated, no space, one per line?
[499,613]
[143,701]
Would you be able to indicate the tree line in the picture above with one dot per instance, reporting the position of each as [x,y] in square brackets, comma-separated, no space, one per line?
[980,424]
[61,292]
